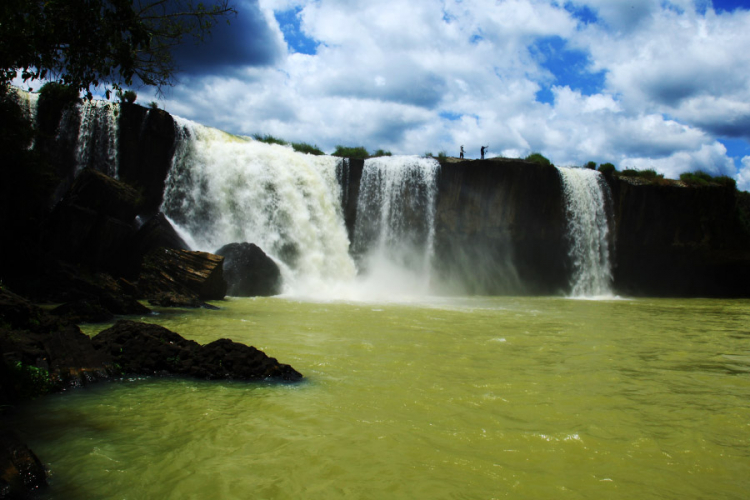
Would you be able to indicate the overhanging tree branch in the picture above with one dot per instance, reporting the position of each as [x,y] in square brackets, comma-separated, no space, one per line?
[84,43]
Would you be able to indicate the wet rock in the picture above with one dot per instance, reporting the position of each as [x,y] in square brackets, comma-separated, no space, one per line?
[677,241]
[147,349]
[500,228]
[83,311]
[105,195]
[21,472]
[182,273]
[42,353]
[66,283]
[249,272]
[93,223]
[157,232]
[146,145]
[171,299]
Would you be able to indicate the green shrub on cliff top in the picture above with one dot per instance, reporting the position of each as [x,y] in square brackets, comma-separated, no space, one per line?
[269,139]
[303,147]
[351,152]
[700,178]
[648,174]
[607,168]
[539,158]
[58,93]
[128,96]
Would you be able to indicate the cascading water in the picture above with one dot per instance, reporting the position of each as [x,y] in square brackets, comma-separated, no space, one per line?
[225,189]
[394,230]
[585,193]
[97,136]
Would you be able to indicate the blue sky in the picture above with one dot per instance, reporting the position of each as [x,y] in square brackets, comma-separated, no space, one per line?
[657,84]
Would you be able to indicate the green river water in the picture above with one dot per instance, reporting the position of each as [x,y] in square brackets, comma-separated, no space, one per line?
[473,398]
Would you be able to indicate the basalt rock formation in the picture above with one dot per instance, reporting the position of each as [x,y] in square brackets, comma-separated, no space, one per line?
[500,225]
[677,241]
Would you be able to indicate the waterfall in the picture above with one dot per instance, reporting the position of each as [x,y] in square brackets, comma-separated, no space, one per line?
[394,230]
[224,189]
[586,193]
[97,136]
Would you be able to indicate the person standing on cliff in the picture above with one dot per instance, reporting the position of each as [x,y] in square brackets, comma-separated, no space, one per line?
[484,148]
[461,155]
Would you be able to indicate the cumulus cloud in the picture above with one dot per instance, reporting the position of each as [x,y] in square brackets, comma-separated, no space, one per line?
[669,78]
[743,176]
[247,40]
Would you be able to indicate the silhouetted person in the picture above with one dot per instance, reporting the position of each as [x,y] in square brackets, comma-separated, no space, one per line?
[462,152]
[483,150]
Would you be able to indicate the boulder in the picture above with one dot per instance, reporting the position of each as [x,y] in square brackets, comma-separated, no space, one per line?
[249,272]
[21,472]
[105,195]
[172,299]
[83,311]
[182,272]
[157,232]
[147,349]
[42,353]
[85,237]
[66,283]
[93,223]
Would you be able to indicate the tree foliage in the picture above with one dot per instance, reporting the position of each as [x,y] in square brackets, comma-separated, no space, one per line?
[85,43]
[351,152]
[607,168]
[538,158]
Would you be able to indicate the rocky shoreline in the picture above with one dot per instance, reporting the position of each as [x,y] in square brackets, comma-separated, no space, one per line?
[92,248]
[42,352]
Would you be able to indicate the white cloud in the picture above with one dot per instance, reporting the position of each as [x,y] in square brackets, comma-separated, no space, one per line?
[743,176]
[430,75]
[710,158]
[680,63]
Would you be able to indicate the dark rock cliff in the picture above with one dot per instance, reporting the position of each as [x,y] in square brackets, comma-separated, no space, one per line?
[145,147]
[500,228]
[500,224]
[679,241]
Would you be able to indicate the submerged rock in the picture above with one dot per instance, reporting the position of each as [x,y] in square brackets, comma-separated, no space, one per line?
[21,472]
[249,272]
[147,349]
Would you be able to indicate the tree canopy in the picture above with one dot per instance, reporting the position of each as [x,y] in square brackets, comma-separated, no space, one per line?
[85,43]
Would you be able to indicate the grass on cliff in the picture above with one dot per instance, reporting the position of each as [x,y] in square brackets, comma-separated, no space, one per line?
[647,174]
[700,178]
[351,152]
[540,159]
[301,147]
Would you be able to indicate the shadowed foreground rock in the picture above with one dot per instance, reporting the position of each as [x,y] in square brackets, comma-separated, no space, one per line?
[146,349]
[21,472]
[42,353]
